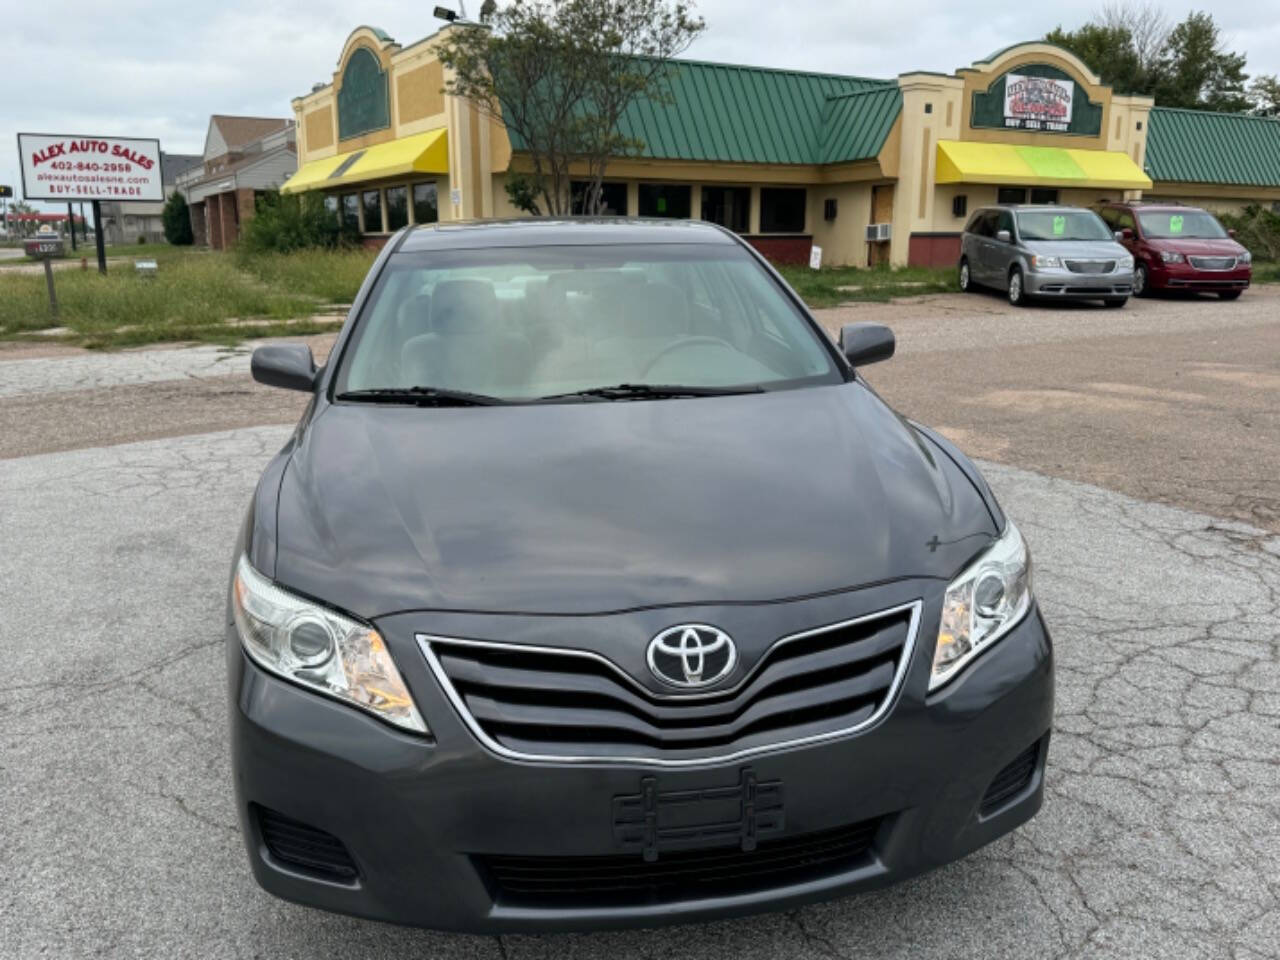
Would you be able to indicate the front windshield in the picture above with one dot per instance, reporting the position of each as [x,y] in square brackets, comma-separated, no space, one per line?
[522,323]
[1180,225]
[1051,224]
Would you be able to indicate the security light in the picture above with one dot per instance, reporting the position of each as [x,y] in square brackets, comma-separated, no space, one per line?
[444,13]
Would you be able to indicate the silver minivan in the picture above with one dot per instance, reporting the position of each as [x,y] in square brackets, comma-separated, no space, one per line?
[1045,251]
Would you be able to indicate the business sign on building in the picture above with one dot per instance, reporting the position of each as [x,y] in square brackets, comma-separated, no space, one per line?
[1037,103]
[64,167]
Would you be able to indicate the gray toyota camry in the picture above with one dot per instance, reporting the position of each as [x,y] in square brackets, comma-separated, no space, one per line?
[596,587]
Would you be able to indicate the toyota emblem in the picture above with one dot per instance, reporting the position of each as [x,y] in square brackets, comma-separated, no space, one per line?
[692,655]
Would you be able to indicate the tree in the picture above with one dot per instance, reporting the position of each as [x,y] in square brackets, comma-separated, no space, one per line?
[1134,50]
[177,221]
[1198,72]
[560,75]
[1109,52]
[1264,94]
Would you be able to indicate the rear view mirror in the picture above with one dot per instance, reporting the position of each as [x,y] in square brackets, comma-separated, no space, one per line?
[287,365]
[863,343]
[1004,236]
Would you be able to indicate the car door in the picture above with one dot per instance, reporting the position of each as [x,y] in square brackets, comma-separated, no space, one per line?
[984,241]
[1003,253]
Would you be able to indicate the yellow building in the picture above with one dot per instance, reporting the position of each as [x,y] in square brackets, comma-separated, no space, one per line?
[870,170]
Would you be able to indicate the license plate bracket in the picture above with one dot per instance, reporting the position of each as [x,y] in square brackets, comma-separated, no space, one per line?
[733,815]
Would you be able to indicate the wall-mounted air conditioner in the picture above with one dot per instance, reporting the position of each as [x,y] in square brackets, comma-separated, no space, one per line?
[879,232]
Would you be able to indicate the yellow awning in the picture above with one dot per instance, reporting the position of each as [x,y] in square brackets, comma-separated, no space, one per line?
[421,153]
[1002,163]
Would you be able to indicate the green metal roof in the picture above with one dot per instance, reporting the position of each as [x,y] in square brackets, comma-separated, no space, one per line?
[1197,146]
[727,113]
[855,125]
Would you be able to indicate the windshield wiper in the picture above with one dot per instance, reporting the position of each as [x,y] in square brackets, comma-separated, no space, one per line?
[651,391]
[422,396]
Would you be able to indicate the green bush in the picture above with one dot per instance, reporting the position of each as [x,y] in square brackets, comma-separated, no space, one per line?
[177,221]
[292,222]
[1258,229]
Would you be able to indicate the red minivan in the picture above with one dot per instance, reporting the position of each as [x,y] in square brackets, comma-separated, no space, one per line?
[1179,248]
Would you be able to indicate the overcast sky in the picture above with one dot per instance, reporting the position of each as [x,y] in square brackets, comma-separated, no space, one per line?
[148,69]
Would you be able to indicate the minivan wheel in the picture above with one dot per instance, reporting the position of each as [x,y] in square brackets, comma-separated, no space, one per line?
[1139,281]
[966,280]
[1017,294]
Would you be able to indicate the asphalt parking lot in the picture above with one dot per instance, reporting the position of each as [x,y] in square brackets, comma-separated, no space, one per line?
[1137,449]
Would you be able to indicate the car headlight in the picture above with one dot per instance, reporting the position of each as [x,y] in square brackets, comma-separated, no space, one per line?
[1171,256]
[1040,263]
[1245,257]
[319,649]
[984,603]
[1126,263]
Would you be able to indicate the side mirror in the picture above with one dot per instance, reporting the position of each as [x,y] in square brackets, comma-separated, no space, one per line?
[863,343]
[1004,236]
[287,365]
[1124,235]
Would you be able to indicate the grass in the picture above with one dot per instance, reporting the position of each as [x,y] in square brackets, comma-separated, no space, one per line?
[1266,272]
[192,297]
[159,252]
[328,275]
[822,288]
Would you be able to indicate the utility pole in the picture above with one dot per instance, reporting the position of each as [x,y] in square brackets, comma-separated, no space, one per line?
[71,225]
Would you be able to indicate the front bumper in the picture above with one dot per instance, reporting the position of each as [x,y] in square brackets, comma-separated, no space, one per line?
[1184,276]
[419,817]
[1064,284]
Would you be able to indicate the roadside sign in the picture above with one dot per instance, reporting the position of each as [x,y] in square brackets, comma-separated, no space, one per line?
[815,257]
[69,167]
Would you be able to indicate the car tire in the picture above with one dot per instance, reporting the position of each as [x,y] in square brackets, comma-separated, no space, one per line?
[1139,281]
[1017,291]
[1116,302]
[1229,294]
[965,276]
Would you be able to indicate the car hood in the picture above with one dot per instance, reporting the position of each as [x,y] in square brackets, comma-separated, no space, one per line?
[602,507]
[1207,247]
[1077,249]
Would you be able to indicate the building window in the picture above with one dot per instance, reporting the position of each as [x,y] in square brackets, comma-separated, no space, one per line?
[397,208]
[351,211]
[331,205]
[371,204]
[613,198]
[782,210]
[425,208]
[1011,195]
[1043,195]
[666,200]
[728,206]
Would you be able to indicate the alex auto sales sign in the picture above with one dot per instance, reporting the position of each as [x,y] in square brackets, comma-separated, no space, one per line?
[1037,103]
[57,167]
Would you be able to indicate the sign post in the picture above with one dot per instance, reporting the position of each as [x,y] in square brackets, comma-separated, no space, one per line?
[66,167]
[6,193]
[71,225]
[45,249]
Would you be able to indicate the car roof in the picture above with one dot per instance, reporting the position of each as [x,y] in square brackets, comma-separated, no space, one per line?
[1140,205]
[550,231]
[1019,207]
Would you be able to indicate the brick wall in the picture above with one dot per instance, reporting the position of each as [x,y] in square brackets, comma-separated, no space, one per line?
[782,249]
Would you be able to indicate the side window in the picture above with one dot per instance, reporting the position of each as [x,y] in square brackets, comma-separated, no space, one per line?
[975,223]
[1124,221]
[1108,216]
[1005,222]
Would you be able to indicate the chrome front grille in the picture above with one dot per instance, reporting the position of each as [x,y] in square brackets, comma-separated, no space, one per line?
[1090,266]
[557,704]
[1212,263]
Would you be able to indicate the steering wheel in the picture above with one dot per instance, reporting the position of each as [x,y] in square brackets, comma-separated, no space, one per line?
[681,344]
